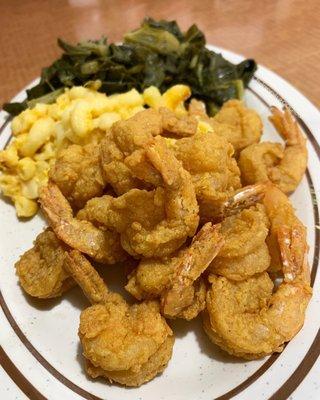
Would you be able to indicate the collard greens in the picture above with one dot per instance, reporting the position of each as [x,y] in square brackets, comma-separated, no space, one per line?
[158,53]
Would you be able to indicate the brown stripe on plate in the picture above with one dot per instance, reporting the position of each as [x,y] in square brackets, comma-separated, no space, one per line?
[249,381]
[300,373]
[2,128]
[21,381]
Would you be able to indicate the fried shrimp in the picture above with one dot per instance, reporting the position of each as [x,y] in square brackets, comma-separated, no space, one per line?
[101,245]
[175,126]
[167,217]
[248,319]
[245,252]
[128,344]
[176,280]
[123,139]
[241,198]
[190,265]
[198,109]
[214,172]
[244,231]
[78,174]
[283,166]
[241,126]
[41,269]
[242,267]
[280,213]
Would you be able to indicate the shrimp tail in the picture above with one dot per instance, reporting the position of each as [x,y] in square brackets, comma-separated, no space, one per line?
[287,126]
[54,205]
[294,250]
[87,277]
[242,198]
[204,248]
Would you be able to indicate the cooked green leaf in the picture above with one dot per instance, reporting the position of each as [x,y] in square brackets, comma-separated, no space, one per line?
[158,53]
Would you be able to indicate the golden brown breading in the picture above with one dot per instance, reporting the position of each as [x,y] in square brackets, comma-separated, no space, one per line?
[176,280]
[136,214]
[251,318]
[129,344]
[78,174]
[244,232]
[101,245]
[266,161]
[123,139]
[240,125]
[242,267]
[137,377]
[41,269]
[177,126]
[215,174]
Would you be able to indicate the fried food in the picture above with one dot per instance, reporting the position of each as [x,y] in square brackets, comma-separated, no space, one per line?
[190,266]
[266,161]
[177,126]
[249,319]
[215,174]
[161,190]
[101,245]
[123,147]
[241,198]
[176,279]
[244,232]
[124,138]
[155,223]
[241,126]
[280,213]
[242,267]
[78,174]
[245,252]
[126,344]
[41,269]
[198,109]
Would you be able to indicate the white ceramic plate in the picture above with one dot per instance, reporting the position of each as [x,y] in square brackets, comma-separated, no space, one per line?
[40,349]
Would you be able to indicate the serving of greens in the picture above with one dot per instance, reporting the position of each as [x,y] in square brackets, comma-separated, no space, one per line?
[158,53]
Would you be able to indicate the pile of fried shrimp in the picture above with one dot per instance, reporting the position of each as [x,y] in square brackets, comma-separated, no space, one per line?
[201,220]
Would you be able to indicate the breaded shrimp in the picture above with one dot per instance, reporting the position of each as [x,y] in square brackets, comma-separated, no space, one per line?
[283,166]
[128,344]
[198,109]
[241,126]
[41,269]
[176,280]
[78,174]
[280,213]
[214,172]
[248,319]
[242,267]
[245,252]
[123,139]
[101,245]
[177,126]
[240,199]
[244,232]
[168,217]
[190,265]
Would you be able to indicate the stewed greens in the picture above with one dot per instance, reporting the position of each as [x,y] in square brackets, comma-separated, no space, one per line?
[158,53]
